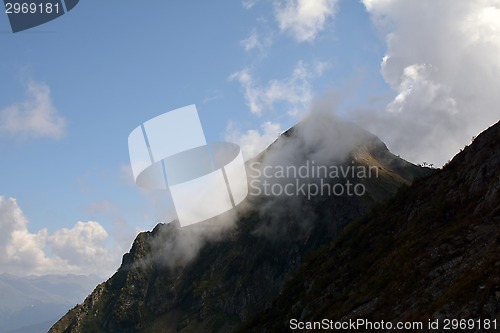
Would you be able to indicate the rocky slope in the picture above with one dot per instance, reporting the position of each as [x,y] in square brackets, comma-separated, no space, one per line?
[431,252]
[240,268]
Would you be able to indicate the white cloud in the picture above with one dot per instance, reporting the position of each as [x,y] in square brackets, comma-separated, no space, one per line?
[295,91]
[320,67]
[257,42]
[79,250]
[126,174]
[213,96]
[35,117]
[418,90]
[82,245]
[100,206]
[251,42]
[248,4]
[252,142]
[442,62]
[20,250]
[304,19]
[244,77]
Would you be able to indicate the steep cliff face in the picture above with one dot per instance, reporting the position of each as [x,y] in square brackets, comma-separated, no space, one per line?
[238,272]
[431,252]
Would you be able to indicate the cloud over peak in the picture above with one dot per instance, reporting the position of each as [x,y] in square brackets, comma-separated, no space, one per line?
[442,63]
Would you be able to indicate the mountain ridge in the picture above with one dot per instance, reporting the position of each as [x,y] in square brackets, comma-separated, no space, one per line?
[236,274]
[429,253]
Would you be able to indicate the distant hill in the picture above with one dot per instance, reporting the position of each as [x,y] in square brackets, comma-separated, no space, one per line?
[32,300]
[240,271]
[36,328]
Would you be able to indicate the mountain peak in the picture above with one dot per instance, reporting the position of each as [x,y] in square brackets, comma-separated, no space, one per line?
[206,279]
[429,253]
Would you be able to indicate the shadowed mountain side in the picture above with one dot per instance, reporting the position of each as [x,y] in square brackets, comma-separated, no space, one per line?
[432,251]
[240,268]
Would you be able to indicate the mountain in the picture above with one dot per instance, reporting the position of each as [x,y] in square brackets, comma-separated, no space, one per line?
[430,252]
[40,300]
[213,276]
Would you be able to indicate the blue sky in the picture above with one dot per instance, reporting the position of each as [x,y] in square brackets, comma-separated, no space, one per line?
[253,68]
